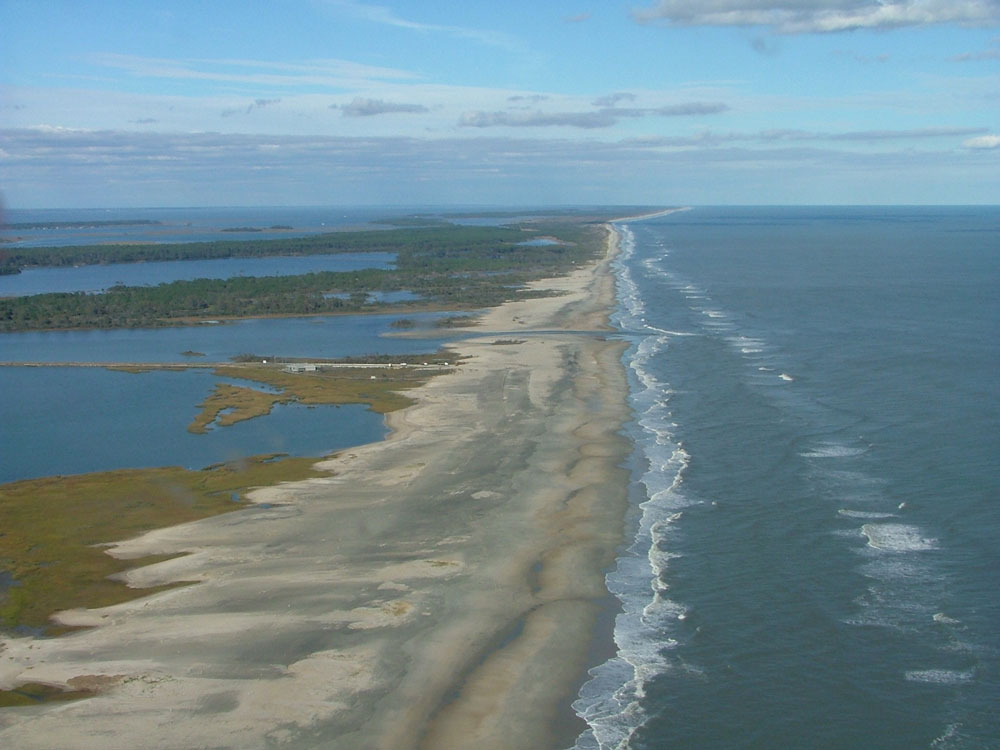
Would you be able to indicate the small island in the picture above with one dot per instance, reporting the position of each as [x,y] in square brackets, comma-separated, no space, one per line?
[87,224]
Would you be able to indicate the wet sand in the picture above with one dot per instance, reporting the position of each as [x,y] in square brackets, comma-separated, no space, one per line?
[440,590]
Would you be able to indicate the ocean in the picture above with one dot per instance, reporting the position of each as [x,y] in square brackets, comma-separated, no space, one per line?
[813,552]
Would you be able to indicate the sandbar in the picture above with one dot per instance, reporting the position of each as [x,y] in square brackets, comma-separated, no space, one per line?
[439,590]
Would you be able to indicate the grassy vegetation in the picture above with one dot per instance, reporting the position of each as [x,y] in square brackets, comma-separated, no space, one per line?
[447,267]
[53,529]
[229,404]
[377,388]
[32,693]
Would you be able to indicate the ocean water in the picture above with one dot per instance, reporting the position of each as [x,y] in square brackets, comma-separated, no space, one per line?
[814,542]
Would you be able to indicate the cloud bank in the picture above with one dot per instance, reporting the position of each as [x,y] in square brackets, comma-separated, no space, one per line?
[360,107]
[255,104]
[822,16]
[983,142]
[598,118]
[105,168]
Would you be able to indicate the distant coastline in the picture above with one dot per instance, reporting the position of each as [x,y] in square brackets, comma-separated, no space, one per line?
[90,224]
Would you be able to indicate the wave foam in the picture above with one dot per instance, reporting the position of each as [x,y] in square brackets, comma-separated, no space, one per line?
[864,514]
[942,618]
[611,701]
[833,450]
[940,676]
[897,537]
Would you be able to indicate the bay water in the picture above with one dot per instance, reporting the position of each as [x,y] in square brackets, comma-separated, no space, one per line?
[72,420]
[99,278]
[814,541]
[58,420]
[92,226]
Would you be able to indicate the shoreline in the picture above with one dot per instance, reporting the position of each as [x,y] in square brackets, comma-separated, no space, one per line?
[440,590]
[654,215]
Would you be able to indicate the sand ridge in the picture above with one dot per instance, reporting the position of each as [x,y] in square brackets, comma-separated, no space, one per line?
[439,590]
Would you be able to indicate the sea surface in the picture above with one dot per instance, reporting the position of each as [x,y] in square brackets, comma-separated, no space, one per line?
[814,543]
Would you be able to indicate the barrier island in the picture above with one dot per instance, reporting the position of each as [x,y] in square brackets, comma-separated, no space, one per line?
[443,588]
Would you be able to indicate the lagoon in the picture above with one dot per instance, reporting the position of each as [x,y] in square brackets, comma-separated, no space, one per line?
[66,420]
[99,278]
[62,420]
[320,337]
[78,420]
[192,224]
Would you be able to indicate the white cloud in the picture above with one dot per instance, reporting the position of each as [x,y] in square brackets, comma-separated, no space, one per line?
[709,139]
[55,166]
[983,142]
[612,100]
[892,135]
[386,16]
[990,53]
[822,16]
[360,107]
[537,118]
[686,109]
[604,117]
[326,72]
[255,104]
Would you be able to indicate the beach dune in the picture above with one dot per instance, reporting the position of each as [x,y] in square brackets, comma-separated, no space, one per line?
[441,589]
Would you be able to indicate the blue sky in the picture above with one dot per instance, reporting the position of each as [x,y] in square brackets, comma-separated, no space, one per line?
[351,102]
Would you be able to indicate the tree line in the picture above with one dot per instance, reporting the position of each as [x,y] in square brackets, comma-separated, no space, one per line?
[447,267]
[387,240]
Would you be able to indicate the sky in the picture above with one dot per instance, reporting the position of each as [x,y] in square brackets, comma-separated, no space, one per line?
[524,102]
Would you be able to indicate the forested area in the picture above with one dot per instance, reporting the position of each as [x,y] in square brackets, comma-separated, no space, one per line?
[387,240]
[447,267]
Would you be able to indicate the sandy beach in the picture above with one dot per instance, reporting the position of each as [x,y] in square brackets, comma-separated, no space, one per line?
[440,590]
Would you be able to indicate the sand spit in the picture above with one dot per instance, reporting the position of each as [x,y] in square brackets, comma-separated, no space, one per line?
[654,214]
[439,591]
